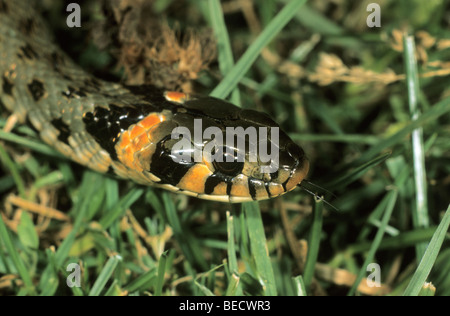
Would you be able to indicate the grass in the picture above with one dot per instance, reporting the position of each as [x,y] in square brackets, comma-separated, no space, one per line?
[382,149]
[314,244]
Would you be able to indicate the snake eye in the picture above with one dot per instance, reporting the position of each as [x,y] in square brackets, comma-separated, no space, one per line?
[230,164]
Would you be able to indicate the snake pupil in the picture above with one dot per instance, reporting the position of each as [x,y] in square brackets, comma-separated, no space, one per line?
[230,165]
[229,168]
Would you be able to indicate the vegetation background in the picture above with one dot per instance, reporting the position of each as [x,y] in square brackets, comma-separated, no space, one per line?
[370,106]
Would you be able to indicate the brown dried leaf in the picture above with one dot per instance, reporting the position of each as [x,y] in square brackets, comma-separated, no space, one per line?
[346,278]
[425,39]
[397,40]
[443,44]
[331,69]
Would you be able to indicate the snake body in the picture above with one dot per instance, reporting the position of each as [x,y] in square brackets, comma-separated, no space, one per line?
[126,130]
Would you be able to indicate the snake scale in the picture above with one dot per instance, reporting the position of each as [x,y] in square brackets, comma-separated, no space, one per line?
[126,130]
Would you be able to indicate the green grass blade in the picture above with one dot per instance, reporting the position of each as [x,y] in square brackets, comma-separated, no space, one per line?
[81,210]
[299,286]
[161,273]
[314,243]
[15,257]
[204,290]
[12,167]
[121,207]
[433,113]
[239,70]
[104,276]
[188,244]
[258,244]
[224,51]
[34,145]
[49,281]
[232,260]
[319,23]
[143,282]
[428,259]
[344,138]
[355,174]
[114,289]
[391,198]
[404,239]
[233,286]
[27,232]
[420,212]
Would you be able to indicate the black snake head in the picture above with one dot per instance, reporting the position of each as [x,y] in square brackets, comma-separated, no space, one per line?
[211,149]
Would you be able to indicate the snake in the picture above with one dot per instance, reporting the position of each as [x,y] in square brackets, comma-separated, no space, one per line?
[126,130]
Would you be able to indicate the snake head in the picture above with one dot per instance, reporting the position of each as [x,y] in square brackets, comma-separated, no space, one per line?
[208,148]
[218,151]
